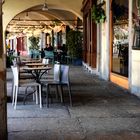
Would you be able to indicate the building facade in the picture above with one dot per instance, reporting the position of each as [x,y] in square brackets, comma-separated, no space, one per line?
[111,49]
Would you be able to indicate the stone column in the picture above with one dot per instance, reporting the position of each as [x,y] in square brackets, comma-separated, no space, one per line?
[130,44]
[43,40]
[3,107]
[105,44]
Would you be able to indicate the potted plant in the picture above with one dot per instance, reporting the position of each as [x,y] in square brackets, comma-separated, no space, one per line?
[74,45]
[9,60]
[98,13]
[34,47]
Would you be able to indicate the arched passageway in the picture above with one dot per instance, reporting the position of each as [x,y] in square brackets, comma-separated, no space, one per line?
[49,24]
[66,12]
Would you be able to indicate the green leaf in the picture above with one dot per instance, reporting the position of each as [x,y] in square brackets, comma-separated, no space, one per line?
[98,13]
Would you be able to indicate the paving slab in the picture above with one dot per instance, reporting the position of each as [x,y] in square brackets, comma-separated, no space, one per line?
[101,111]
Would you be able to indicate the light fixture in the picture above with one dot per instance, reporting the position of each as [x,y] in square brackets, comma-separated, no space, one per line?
[26,14]
[45,6]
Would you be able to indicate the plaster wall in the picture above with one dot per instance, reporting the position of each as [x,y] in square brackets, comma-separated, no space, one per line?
[135,74]
[134,59]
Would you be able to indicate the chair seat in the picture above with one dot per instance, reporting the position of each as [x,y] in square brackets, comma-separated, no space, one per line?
[17,82]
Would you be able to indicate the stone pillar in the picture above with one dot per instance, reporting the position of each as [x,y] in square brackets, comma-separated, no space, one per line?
[3,107]
[105,44]
[134,56]
[43,40]
[130,43]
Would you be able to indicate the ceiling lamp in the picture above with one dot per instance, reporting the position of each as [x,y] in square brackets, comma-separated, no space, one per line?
[45,7]
[26,16]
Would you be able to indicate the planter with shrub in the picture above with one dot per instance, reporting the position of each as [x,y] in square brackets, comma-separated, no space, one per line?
[74,45]
[34,47]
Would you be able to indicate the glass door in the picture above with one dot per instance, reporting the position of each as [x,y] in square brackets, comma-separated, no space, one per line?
[120,37]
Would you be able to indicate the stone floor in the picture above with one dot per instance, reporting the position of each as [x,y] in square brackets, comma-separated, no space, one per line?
[101,111]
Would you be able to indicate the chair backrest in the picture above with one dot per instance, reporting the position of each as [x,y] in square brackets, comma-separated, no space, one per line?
[15,71]
[57,72]
[16,61]
[64,73]
[45,61]
[49,54]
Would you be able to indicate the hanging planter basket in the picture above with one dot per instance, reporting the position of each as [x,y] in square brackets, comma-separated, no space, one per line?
[98,13]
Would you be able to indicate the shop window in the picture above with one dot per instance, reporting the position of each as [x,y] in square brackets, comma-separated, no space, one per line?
[120,39]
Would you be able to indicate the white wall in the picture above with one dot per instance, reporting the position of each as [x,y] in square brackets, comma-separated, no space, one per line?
[134,59]
[135,73]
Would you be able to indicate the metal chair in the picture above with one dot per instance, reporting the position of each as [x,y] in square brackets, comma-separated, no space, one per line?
[23,83]
[61,78]
[49,55]
[45,61]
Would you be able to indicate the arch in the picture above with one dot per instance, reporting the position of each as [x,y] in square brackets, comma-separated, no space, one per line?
[19,6]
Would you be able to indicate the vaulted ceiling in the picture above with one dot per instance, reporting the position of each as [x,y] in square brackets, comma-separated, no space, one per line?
[18,15]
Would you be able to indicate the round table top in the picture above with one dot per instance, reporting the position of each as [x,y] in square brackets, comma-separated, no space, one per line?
[37,68]
[36,64]
[31,61]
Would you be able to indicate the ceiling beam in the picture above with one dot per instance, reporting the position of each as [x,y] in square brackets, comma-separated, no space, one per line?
[30,25]
[43,20]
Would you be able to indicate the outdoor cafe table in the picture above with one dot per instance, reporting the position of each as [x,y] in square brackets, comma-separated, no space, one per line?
[31,61]
[37,72]
[35,64]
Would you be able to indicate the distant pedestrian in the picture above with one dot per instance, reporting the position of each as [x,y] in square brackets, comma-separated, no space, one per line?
[42,53]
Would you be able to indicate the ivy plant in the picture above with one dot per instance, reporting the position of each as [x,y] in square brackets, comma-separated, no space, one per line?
[98,13]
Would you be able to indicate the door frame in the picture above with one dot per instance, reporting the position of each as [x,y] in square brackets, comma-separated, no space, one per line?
[115,78]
